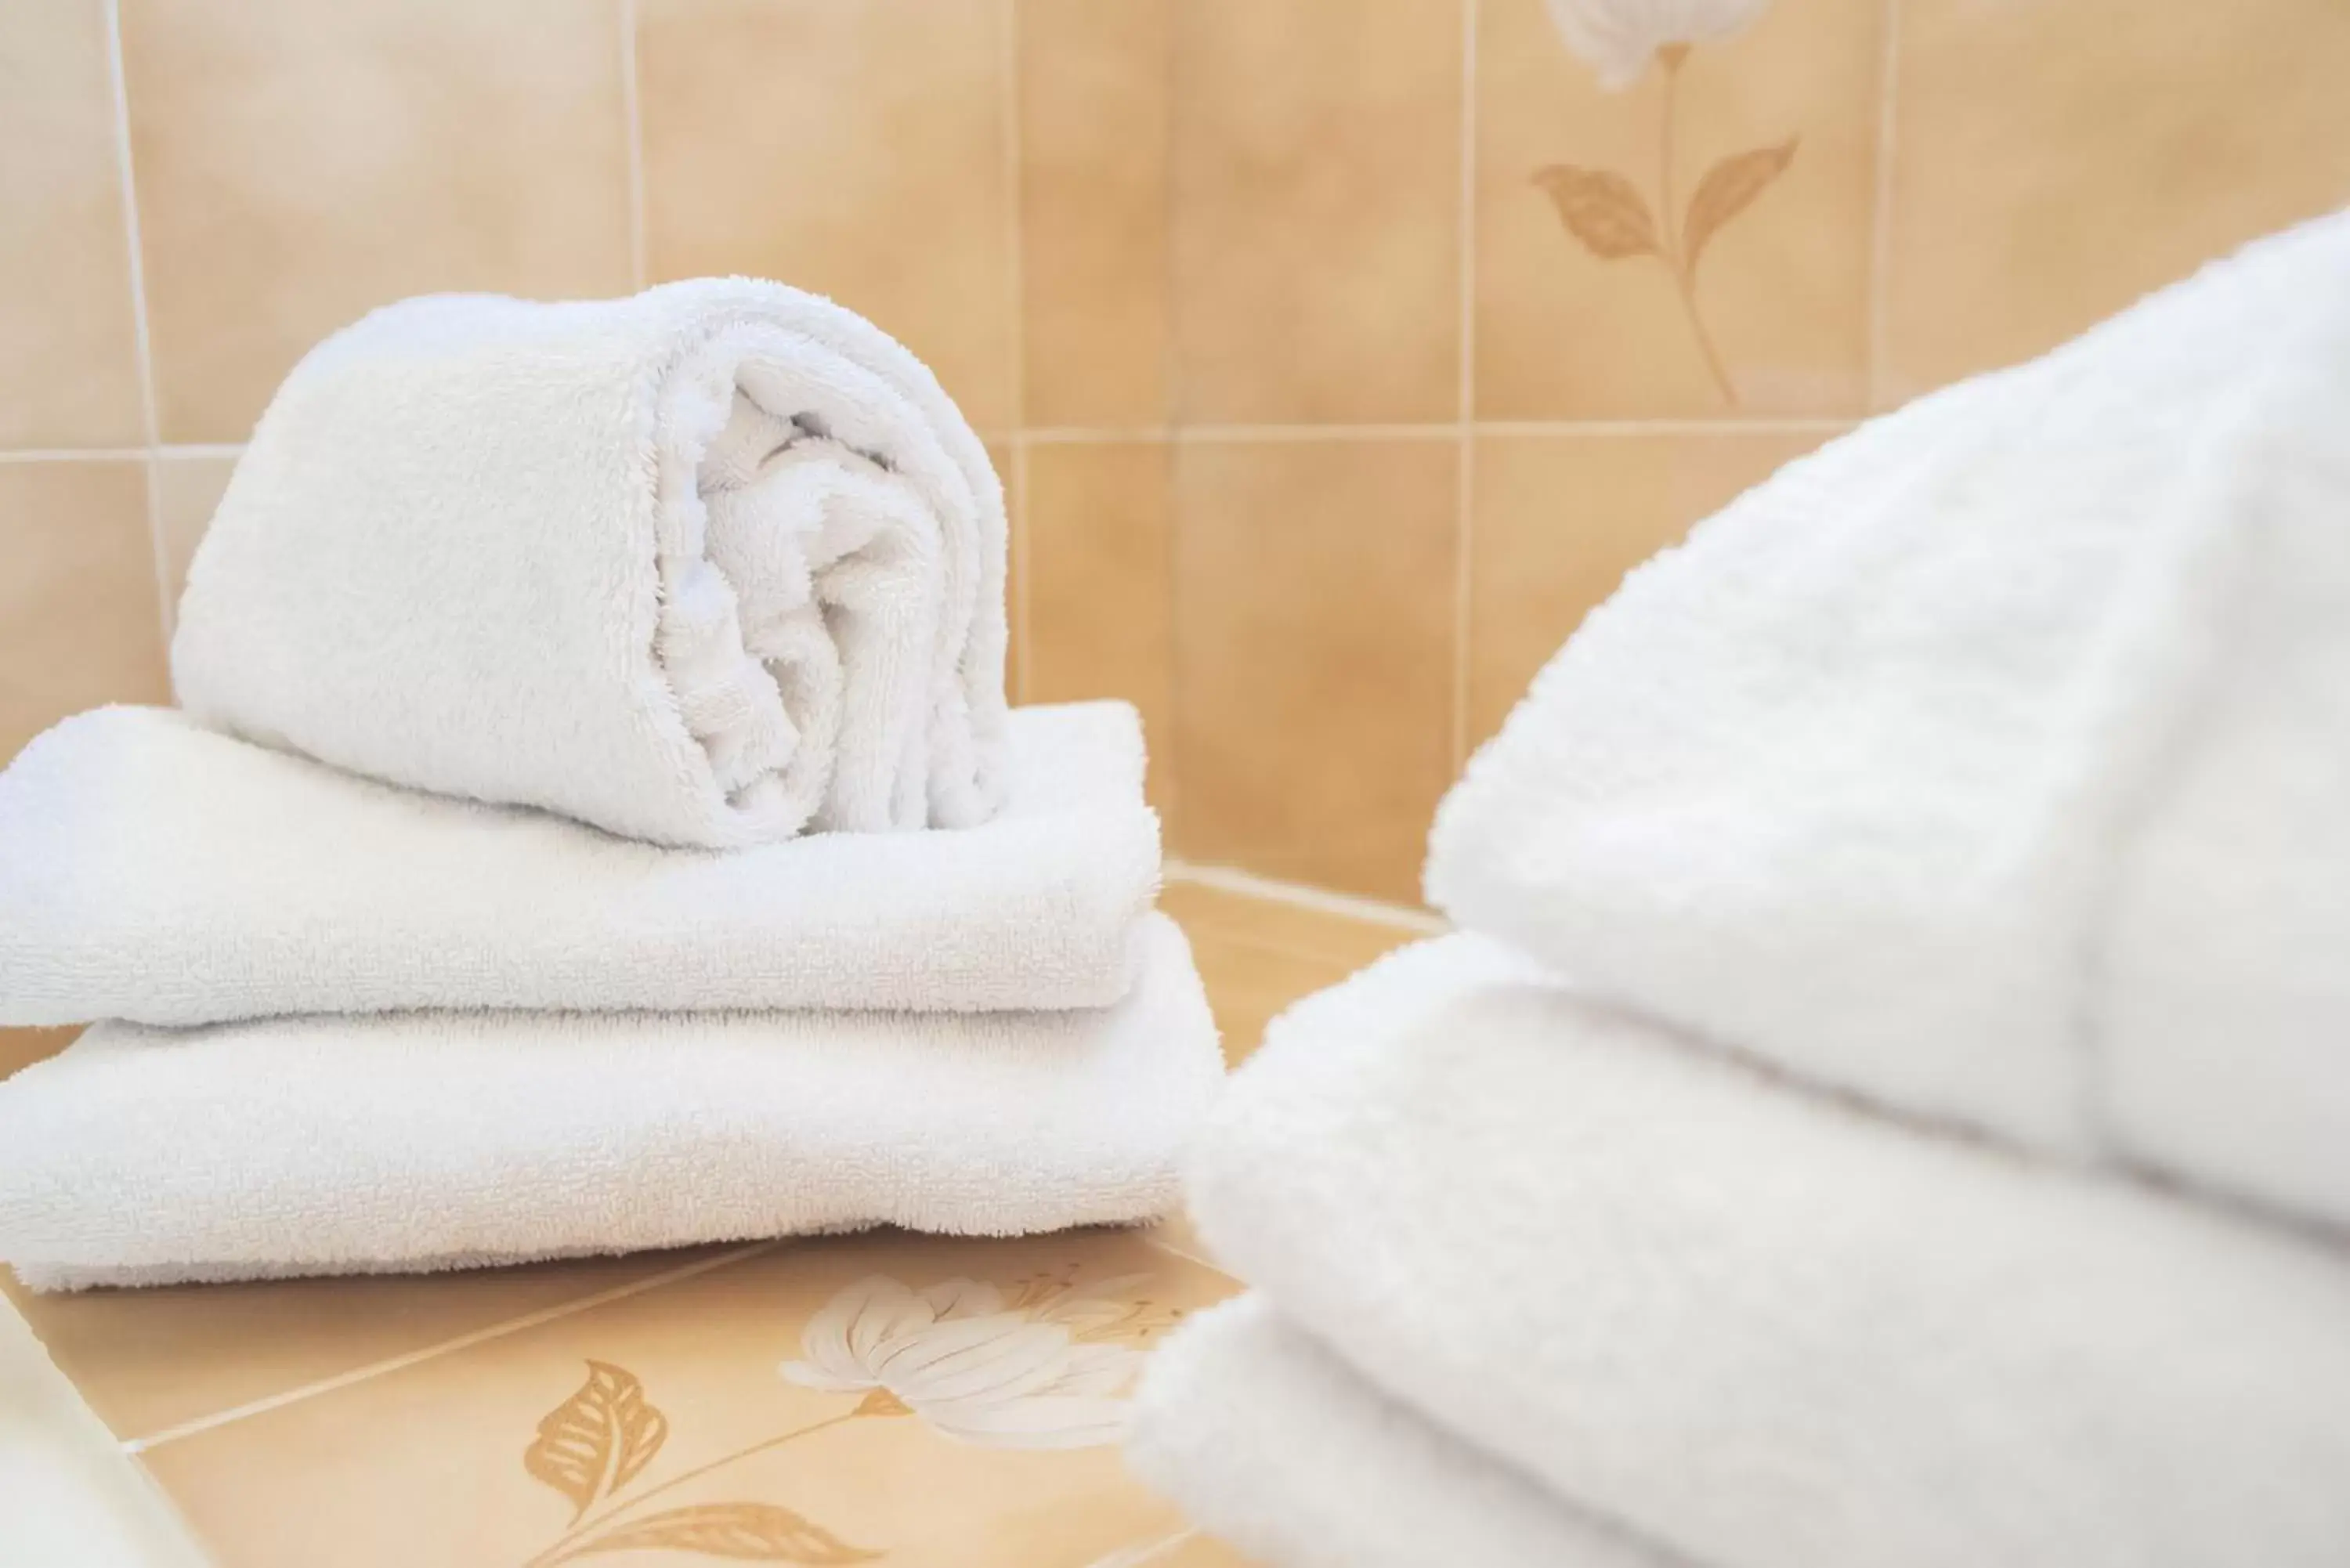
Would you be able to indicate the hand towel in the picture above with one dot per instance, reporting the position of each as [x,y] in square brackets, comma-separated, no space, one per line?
[1765,1328]
[1989,761]
[700,567]
[154,871]
[1269,1441]
[418,1142]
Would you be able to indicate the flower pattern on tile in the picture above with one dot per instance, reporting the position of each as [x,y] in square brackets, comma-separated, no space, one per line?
[590,1447]
[1605,211]
[1032,1371]
[1618,36]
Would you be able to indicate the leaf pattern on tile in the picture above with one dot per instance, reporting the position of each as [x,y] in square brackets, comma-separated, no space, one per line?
[745,1531]
[1604,210]
[1727,190]
[1600,208]
[595,1442]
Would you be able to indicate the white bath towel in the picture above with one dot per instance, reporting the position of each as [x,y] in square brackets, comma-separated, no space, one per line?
[1992,761]
[154,871]
[325,1145]
[1272,1443]
[1765,1328]
[700,566]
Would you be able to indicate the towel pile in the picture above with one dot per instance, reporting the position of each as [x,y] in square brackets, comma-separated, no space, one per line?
[593,822]
[1890,1102]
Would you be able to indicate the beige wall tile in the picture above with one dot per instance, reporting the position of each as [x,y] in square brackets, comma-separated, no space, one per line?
[425,1465]
[1782,286]
[68,368]
[1314,643]
[2053,162]
[299,164]
[856,150]
[1094,84]
[149,1360]
[1317,157]
[1101,601]
[79,619]
[187,490]
[1560,519]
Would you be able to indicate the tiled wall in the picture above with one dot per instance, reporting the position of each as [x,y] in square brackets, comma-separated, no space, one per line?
[1327,346]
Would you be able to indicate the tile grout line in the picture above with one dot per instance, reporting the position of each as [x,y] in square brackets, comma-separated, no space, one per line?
[632,124]
[1248,884]
[1880,237]
[1150,1239]
[1015,263]
[1464,478]
[1169,406]
[1016,324]
[143,341]
[278,1401]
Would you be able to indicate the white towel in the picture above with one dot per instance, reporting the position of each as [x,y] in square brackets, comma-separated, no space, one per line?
[1764,1328]
[1266,1439]
[420,1141]
[154,871]
[1992,761]
[700,566]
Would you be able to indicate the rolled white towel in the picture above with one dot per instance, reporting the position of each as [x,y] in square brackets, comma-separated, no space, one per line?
[1990,761]
[416,1141]
[704,566]
[1269,1440]
[1767,1329]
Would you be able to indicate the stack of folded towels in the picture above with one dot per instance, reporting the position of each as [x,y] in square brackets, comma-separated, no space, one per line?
[593,822]
[1890,1104]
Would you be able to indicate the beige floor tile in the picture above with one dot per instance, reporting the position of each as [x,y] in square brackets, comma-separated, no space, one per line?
[1316,936]
[20,1048]
[68,371]
[1314,607]
[1593,323]
[2053,162]
[667,1416]
[1317,159]
[1100,602]
[1248,986]
[1560,520]
[1093,81]
[79,623]
[150,1360]
[299,164]
[854,150]
[188,489]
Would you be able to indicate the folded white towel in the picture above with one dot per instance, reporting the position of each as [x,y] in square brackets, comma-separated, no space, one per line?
[1990,761]
[1268,1440]
[1762,1327]
[154,871]
[700,566]
[420,1141]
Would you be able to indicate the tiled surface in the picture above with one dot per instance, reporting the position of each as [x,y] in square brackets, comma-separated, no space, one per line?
[67,354]
[2053,162]
[1314,607]
[1376,280]
[1100,535]
[298,164]
[401,1421]
[77,601]
[1095,80]
[1568,328]
[855,150]
[1560,518]
[1316,172]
